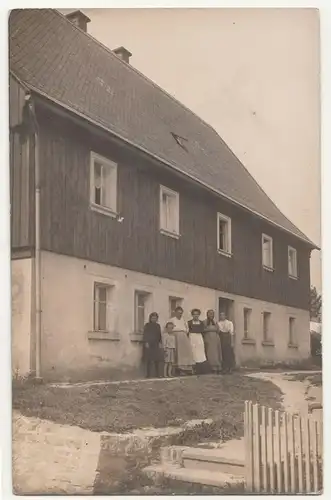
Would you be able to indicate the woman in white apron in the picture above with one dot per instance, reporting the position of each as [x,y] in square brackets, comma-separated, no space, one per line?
[184,357]
[196,329]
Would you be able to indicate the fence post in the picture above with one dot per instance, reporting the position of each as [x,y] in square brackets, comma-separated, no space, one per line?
[307,454]
[279,452]
[257,449]
[286,464]
[264,449]
[249,446]
[313,424]
[271,449]
[292,454]
[300,451]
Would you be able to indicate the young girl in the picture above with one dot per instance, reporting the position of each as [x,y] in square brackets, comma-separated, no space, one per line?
[169,345]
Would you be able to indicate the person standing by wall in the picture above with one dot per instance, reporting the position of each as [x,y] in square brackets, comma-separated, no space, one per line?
[196,329]
[152,343]
[227,343]
[212,342]
[169,346]
[184,357]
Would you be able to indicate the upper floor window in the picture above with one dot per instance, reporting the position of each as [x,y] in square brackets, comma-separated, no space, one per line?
[223,234]
[267,252]
[103,184]
[169,211]
[292,263]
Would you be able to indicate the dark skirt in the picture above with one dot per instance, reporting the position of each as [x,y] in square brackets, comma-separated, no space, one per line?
[227,352]
[153,353]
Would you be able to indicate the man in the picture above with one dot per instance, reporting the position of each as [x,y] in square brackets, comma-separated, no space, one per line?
[227,343]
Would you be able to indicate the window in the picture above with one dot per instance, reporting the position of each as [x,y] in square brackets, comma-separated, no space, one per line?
[169,211]
[101,302]
[223,234]
[292,339]
[267,252]
[247,320]
[292,262]
[173,303]
[140,317]
[103,194]
[266,326]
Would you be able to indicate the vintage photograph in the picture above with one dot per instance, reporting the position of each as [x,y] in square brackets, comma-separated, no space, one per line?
[165,217]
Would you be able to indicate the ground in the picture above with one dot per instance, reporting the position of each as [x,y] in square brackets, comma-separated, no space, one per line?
[123,407]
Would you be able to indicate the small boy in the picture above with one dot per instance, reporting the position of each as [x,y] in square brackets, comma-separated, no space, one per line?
[169,346]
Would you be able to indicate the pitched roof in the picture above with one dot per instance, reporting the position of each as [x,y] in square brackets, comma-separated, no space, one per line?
[54,57]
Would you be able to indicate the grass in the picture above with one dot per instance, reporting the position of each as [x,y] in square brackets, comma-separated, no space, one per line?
[124,407]
[315,379]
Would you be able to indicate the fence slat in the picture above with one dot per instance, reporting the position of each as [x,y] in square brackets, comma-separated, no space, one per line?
[307,453]
[286,465]
[271,449]
[292,452]
[300,450]
[278,452]
[257,451]
[249,479]
[314,437]
[264,447]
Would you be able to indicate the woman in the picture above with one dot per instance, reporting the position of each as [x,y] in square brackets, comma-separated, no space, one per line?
[212,342]
[227,343]
[152,340]
[196,329]
[184,357]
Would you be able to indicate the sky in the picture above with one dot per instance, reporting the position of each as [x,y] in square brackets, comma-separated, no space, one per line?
[253,74]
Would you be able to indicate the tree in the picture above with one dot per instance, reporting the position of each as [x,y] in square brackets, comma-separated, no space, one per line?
[315,304]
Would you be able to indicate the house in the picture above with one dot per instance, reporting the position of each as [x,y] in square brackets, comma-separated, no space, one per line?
[123,202]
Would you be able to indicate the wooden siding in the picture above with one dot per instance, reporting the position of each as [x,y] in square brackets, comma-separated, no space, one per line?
[21,172]
[69,226]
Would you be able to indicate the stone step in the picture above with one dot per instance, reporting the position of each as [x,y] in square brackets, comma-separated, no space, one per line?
[214,460]
[203,477]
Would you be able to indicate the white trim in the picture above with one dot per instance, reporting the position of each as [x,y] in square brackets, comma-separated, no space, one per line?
[174,195]
[227,220]
[270,240]
[108,287]
[292,249]
[112,168]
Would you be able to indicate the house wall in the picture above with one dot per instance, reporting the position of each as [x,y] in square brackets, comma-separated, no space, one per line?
[70,227]
[22,317]
[67,319]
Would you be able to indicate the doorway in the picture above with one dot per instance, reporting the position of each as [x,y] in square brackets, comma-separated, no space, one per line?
[226,306]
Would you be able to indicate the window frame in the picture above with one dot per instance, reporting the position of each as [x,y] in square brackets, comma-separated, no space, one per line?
[289,250]
[271,241]
[227,220]
[267,336]
[175,195]
[179,302]
[247,330]
[113,167]
[96,313]
[146,296]
[292,340]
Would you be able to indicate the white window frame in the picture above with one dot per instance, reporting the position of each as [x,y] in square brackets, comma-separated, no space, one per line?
[179,303]
[163,226]
[228,250]
[247,331]
[147,297]
[110,207]
[96,305]
[295,253]
[292,340]
[270,240]
[267,332]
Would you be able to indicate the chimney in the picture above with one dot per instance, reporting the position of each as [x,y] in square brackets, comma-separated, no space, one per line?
[79,19]
[123,54]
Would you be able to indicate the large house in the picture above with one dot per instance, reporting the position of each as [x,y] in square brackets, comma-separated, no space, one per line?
[123,202]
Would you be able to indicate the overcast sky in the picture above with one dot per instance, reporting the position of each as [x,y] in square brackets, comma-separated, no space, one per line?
[253,74]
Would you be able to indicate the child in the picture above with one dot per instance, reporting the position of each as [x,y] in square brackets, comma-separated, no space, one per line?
[169,345]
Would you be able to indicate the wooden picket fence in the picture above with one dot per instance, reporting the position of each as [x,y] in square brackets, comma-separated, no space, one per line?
[283,453]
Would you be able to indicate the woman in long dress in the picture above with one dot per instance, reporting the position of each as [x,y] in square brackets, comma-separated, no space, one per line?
[196,329]
[152,341]
[184,357]
[227,343]
[212,342]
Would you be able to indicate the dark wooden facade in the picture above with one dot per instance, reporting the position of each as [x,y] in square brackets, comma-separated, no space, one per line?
[70,227]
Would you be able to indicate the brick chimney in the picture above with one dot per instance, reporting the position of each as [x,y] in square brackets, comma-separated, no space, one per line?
[79,19]
[123,54]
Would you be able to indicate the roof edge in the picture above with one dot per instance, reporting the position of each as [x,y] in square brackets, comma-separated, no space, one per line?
[165,162]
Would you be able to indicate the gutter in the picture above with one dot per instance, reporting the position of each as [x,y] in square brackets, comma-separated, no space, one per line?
[169,164]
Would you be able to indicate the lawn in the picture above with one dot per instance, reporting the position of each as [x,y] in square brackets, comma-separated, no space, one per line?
[315,379]
[123,407]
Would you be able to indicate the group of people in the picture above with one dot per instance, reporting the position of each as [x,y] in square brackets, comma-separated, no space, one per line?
[193,347]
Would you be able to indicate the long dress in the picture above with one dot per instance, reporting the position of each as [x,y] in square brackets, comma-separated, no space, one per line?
[184,357]
[226,333]
[152,340]
[213,345]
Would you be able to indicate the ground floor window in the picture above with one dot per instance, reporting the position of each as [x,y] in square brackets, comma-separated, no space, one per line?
[267,335]
[141,314]
[247,321]
[102,293]
[292,339]
[173,303]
